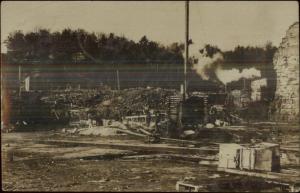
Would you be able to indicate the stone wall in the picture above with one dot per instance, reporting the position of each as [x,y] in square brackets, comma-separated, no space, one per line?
[286,64]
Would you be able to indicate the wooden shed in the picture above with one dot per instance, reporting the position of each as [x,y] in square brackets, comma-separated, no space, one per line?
[259,157]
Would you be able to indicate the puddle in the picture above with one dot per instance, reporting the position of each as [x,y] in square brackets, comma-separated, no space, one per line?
[105,157]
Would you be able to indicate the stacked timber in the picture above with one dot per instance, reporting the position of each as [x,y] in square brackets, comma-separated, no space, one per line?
[174,102]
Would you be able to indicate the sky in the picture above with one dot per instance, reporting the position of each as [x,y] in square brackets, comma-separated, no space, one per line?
[221,23]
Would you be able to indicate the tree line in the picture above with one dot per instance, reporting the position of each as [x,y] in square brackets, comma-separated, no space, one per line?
[79,46]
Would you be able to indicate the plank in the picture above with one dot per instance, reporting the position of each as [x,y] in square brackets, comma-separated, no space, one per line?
[162,148]
[292,178]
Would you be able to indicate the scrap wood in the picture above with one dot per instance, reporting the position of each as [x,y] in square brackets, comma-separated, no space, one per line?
[296,149]
[280,183]
[208,163]
[290,171]
[144,131]
[162,138]
[266,175]
[292,141]
[234,128]
[186,141]
[269,123]
[130,132]
[135,147]
[234,116]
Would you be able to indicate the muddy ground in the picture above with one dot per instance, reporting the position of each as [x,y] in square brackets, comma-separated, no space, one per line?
[32,166]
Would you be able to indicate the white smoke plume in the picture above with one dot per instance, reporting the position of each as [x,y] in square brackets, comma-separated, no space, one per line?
[257,84]
[227,76]
[206,65]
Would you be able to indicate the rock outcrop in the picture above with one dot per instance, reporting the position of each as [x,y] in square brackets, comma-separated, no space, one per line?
[286,64]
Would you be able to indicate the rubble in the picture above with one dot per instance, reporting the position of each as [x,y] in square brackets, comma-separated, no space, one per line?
[129,102]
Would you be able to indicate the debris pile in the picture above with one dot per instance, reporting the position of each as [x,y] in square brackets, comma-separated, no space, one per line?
[76,98]
[134,101]
[78,106]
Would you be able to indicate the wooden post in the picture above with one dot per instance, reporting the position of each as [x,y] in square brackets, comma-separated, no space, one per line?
[118,80]
[186,46]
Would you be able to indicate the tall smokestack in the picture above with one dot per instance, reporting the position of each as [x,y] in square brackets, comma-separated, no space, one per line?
[186,46]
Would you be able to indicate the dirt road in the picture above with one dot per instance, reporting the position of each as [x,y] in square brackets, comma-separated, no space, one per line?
[31,166]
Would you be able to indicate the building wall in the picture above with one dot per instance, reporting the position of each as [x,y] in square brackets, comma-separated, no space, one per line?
[286,64]
[256,91]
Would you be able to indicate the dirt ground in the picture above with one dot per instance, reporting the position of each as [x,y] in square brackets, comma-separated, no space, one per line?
[31,166]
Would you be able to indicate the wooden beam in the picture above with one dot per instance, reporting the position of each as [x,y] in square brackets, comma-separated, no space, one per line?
[287,178]
[161,148]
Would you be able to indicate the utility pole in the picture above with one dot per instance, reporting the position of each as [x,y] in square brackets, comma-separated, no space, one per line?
[186,47]
[184,89]
[118,78]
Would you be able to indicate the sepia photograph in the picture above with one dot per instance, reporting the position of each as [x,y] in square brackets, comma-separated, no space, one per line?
[150,96]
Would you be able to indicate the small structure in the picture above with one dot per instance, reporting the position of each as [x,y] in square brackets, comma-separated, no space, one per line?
[256,89]
[267,157]
[188,184]
[241,98]
[185,187]
[228,155]
[260,157]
